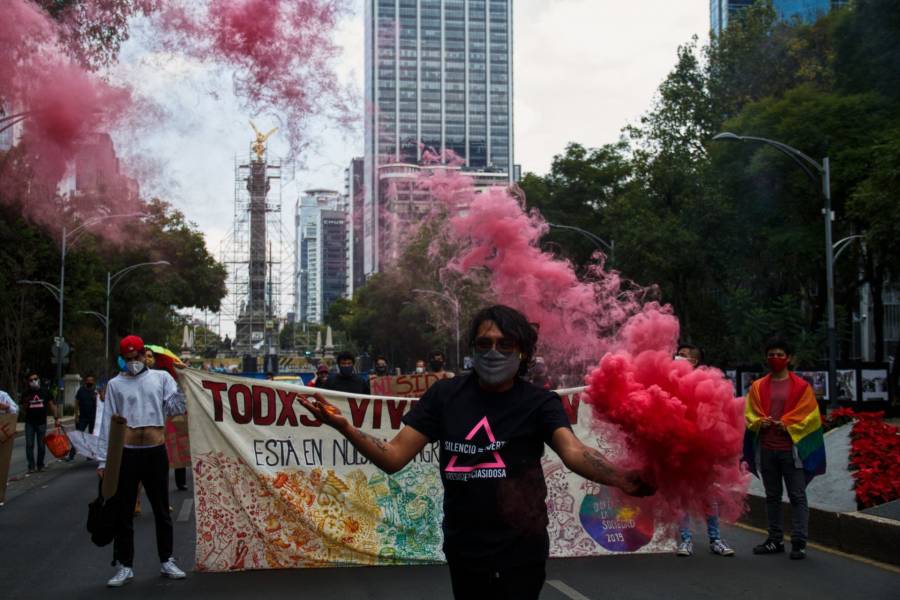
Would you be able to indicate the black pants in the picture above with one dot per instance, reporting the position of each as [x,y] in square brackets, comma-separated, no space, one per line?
[181,478]
[777,466]
[149,466]
[522,582]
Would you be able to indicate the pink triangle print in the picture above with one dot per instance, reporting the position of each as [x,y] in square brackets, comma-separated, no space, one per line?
[498,462]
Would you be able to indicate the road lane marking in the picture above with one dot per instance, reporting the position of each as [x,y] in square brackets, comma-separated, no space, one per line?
[826,549]
[186,508]
[566,590]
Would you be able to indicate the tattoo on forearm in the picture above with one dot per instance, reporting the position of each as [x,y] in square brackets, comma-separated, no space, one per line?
[601,470]
[378,443]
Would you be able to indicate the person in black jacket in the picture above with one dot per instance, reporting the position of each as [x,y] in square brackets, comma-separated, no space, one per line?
[36,403]
[346,379]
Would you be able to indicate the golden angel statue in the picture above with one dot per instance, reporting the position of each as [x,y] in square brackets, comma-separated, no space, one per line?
[259,145]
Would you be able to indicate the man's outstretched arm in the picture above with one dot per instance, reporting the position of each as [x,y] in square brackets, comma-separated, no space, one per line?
[389,456]
[591,464]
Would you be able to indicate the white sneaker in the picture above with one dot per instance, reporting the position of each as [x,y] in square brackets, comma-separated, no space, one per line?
[170,569]
[685,548]
[122,576]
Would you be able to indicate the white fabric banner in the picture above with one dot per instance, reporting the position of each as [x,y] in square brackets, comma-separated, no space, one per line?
[274,488]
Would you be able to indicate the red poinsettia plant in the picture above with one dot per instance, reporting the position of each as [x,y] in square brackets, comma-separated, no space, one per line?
[874,455]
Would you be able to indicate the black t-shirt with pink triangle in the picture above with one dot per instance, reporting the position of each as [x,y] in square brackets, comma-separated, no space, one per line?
[495,512]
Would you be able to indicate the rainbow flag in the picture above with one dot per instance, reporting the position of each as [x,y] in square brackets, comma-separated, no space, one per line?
[801,418]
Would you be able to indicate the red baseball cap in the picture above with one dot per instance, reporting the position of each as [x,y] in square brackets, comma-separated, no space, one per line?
[131,343]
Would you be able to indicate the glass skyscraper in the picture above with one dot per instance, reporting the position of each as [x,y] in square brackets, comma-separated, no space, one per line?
[438,77]
[721,12]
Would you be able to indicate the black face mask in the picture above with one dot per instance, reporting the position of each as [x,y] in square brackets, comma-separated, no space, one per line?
[436,365]
[346,371]
[381,370]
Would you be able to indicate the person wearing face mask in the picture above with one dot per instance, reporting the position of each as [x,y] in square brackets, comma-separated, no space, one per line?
[492,426]
[784,440]
[144,397]
[694,355]
[380,368]
[36,403]
[420,366]
[436,362]
[346,379]
[86,406]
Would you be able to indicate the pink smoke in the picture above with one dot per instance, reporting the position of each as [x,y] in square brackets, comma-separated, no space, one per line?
[63,104]
[680,426]
[282,53]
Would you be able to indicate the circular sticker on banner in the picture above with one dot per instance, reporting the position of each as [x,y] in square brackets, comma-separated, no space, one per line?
[618,528]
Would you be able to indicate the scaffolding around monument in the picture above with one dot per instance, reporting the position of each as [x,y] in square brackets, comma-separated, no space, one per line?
[254,255]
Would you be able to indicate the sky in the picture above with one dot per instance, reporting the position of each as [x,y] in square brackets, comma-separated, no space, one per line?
[583,69]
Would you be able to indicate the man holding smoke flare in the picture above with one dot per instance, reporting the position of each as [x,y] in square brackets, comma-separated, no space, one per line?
[492,426]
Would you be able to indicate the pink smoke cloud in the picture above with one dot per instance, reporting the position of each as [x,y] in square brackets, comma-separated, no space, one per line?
[680,426]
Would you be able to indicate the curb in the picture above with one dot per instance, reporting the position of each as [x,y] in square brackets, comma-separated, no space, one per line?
[869,536]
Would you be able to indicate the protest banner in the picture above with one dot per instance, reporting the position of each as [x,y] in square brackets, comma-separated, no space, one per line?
[7,440]
[177,442]
[275,488]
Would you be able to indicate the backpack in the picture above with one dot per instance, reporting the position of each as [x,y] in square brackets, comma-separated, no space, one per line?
[102,517]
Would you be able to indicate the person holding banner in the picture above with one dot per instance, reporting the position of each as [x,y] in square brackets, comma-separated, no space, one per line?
[346,380]
[492,426]
[144,397]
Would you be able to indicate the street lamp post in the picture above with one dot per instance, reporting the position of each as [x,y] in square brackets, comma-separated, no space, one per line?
[62,274]
[821,176]
[601,244]
[455,304]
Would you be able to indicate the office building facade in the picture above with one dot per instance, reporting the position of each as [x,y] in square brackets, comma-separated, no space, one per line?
[721,12]
[323,253]
[439,78]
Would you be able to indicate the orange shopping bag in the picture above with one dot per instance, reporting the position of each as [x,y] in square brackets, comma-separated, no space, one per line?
[58,442]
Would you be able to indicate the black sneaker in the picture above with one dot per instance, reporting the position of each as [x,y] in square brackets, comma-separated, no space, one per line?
[769,546]
[798,551]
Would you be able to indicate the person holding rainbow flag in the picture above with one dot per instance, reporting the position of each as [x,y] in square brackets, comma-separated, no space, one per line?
[784,440]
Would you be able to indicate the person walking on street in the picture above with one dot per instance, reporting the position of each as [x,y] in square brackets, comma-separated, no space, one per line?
[717,546]
[346,380]
[785,442]
[492,426]
[36,403]
[144,397]
[85,406]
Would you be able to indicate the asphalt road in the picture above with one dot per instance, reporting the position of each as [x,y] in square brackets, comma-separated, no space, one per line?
[46,553]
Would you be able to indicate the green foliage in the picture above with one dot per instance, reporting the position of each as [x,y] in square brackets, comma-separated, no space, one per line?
[143,302]
[733,234]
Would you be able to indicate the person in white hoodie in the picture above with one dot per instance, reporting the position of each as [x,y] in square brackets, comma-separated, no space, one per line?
[144,397]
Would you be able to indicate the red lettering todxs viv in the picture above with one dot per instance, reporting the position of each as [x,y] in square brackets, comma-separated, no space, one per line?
[263,405]
[258,404]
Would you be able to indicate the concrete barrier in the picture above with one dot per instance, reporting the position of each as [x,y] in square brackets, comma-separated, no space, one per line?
[869,536]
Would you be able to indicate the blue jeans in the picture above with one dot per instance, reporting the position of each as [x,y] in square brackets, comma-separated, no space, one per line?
[712,528]
[31,432]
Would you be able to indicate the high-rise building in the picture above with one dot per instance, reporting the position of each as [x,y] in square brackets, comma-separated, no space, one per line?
[354,197]
[722,12]
[438,77]
[323,253]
